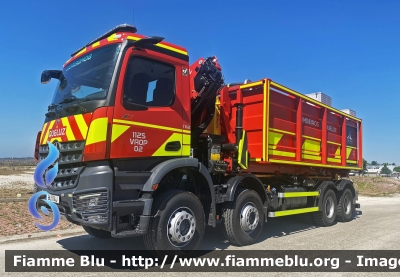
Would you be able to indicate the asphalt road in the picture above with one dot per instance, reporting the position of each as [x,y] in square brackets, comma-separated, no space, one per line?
[375,227]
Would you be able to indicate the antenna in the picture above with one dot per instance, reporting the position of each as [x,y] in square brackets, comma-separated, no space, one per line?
[133,16]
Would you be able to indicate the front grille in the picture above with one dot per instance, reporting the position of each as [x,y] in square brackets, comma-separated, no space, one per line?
[92,206]
[70,164]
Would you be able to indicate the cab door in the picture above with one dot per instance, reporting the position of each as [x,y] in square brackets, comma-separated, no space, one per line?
[147,120]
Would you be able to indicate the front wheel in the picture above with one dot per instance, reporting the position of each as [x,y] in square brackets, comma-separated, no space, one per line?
[243,218]
[178,222]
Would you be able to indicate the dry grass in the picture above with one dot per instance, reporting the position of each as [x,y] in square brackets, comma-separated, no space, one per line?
[15,219]
[376,186]
[15,170]
[15,191]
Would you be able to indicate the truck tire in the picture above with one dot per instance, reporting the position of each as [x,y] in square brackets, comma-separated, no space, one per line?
[345,206]
[101,234]
[327,216]
[243,218]
[178,223]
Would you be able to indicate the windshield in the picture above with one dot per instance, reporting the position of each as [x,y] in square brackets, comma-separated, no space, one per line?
[88,77]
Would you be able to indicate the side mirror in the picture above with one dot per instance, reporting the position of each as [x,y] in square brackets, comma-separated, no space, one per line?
[47,75]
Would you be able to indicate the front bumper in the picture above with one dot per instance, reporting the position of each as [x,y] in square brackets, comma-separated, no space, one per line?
[93,202]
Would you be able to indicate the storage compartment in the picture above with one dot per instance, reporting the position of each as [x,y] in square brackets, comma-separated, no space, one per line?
[286,127]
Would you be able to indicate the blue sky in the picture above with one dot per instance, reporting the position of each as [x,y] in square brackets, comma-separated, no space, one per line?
[349,50]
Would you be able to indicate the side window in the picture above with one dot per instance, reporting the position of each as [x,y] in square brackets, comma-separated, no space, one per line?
[149,83]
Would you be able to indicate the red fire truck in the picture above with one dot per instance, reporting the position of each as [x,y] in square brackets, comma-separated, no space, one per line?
[150,145]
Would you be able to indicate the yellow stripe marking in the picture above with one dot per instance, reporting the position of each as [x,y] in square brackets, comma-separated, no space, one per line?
[273,139]
[333,160]
[282,153]
[161,45]
[186,150]
[298,194]
[240,151]
[314,101]
[311,145]
[172,49]
[68,61]
[310,152]
[267,116]
[311,149]
[56,138]
[95,44]
[117,131]
[112,37]
[259,83]
[317,139]
[264,129]
[337,158]
[311,157]
[352,147]
[282,131]
[48,131]
[348,152]
[337,153]
[312,164]
[255,159]
[80,52]
[161,150]
[68,131]
[80,121]
[292,212]
[132,38]
[150,126]
[42,134]
[351,162]
[335,143]
[186,139]
[97,131]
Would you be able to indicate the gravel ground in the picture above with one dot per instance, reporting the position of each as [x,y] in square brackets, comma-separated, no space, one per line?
[17,186]
[23,180]
[15,219]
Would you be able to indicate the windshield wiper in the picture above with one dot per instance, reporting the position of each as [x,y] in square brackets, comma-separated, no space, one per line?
[68,100]
[75,106]
[85,99]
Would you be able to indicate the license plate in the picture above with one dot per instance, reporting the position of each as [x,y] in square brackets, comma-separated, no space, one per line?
[53,198]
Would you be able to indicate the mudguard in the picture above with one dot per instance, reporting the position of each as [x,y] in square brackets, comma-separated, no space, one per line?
[250,179]
[163,168]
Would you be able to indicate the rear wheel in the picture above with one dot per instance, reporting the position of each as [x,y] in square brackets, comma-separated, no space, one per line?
[345,206]
[327,215]
[101,234]
[243,218]
[178,223]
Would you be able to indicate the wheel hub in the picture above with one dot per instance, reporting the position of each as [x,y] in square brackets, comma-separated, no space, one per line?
[181,227]
[329,207]
[249,217]
[347,205]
